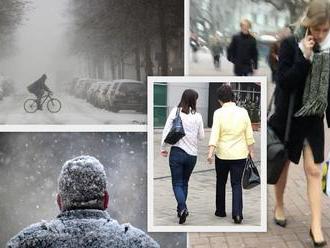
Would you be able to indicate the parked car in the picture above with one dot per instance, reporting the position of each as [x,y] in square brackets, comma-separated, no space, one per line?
[93,89]
[1,94]
[7,86]
[100,94]
[127,94]
[82,87]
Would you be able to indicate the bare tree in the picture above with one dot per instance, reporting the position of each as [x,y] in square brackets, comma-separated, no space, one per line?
[11,15]
[124,30]
[295,7]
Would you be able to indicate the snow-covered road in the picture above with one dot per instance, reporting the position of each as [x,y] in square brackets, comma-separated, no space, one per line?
[73,111]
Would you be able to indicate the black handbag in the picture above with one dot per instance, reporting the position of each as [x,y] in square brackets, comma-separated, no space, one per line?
[250,178]
[277,152]
[177,132]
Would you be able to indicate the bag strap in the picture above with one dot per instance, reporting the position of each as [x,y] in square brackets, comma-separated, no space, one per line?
[177,112]
[289,117]
[269,108]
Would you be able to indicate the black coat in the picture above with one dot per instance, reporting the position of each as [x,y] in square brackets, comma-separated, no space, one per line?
[38,87]
[293,69]
[243,53]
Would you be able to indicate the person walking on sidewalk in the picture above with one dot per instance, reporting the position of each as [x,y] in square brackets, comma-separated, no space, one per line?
[304,62]
[183,154]
[243,52]
[216,49]
[232,140]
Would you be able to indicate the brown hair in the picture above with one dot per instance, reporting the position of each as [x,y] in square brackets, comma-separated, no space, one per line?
[188,101]
[318,13]
[225,93]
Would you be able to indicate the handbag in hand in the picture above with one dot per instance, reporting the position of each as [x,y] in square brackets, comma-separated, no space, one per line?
[277,152]
[326,177]
[250,178]
[177,132]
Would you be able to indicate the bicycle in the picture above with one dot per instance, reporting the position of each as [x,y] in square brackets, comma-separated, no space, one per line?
[53,104]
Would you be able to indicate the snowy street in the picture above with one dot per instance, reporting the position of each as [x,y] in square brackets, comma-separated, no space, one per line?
[73,111]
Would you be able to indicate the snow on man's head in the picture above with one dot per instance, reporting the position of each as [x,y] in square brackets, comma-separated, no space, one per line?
[82,183]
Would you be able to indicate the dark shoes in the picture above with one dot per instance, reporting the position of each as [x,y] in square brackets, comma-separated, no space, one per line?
[183,215]
[237,219]
[279,222]
[317,244]
[180,215]
[220,214]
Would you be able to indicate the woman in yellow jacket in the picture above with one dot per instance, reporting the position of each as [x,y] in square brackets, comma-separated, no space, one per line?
[232,141]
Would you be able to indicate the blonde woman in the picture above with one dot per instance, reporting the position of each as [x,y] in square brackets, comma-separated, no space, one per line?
[304,62]
[232,141]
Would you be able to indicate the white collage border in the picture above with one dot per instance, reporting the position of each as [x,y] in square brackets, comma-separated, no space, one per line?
[263,156]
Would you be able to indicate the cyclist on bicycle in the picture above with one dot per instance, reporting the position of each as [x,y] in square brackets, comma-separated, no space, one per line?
[38,88]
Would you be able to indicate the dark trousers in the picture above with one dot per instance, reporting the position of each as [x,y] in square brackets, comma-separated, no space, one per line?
[181,165]
[235,168]
[38,95]
[216,60]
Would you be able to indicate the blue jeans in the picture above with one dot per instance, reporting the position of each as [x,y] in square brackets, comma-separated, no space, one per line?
[235,168]
[181,165]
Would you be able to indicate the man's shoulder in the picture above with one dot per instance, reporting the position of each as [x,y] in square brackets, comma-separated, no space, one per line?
[137,238]
[106,231]
[29,236]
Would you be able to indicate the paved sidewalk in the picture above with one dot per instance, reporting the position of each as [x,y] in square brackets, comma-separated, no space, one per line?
[295,235]
[204,66]
[201,196]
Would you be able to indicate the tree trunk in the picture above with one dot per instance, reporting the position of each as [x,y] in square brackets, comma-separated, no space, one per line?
[163,40]
[113,70]
[137,63]
[148,61]
[122,64]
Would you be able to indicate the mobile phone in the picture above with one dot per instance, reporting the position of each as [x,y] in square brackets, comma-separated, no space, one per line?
[316,47]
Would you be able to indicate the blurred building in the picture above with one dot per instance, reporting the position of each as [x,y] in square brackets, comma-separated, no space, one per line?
[209,16]
[168,96]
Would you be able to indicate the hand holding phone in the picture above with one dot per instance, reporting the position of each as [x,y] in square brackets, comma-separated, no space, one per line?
[308,43]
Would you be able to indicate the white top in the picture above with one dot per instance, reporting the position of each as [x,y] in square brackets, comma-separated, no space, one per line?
[193,127]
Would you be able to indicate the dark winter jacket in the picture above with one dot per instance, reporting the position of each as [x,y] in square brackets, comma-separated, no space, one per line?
[39,87]
[82,229]
[243,53]
[293,69]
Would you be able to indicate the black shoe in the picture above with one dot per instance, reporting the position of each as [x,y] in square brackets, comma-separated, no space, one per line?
[237,219]
[183,216]
[220,214]
[180,215]
[317,244]
[279,222]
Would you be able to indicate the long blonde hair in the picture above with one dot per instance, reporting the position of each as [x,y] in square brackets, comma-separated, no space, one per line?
[317,13]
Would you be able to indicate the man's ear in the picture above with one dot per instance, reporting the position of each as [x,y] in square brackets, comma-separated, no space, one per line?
[59,202]
[106,200]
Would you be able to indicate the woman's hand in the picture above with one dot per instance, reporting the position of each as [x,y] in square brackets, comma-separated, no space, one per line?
[308,43]
[210,154]
[251,151]
[209,159]
[164,153]
[251,154]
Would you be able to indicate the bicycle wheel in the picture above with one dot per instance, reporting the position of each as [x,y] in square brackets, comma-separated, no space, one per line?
[53,105]
[30,105]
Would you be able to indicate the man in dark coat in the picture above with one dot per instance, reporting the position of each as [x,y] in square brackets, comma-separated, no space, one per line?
[243,52]
[38,88]
[83,221]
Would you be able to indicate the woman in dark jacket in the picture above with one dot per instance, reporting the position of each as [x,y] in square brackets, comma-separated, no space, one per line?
[304,62]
